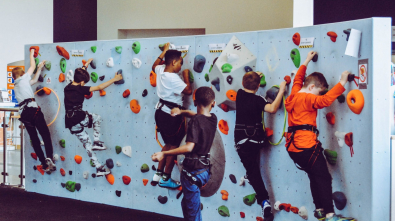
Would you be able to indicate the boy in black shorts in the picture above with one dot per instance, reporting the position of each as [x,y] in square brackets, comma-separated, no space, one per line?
[200,137]
[250,136]
[170,89]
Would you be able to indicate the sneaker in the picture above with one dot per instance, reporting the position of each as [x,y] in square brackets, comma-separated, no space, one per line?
[102,171]
[267,211]
[171,184]
[98,145]
[156,179]
[319,214]
[50,164]
[340,218]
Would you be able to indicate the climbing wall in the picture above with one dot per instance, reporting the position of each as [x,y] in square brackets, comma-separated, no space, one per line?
[363,178]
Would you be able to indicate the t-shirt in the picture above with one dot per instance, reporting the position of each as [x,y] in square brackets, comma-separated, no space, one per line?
[169,87]
[249,108]
[201,131]
[74,96]
[23,90]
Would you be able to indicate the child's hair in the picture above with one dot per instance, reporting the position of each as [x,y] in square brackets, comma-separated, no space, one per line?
[172,55]
[204,96]
[317,79]
[81,75]
[17,72]
[251,80]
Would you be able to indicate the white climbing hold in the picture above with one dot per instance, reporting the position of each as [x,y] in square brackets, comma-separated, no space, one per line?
[232,58]
[136,62]
[56,157]
[127,151]
[243,180]
[118,164]
[340,138]
[277,205]
[110,62]
[303,213]
[85,174]
[70,77]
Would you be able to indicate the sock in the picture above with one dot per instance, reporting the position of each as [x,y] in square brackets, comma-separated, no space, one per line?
[159,172]
[166,176]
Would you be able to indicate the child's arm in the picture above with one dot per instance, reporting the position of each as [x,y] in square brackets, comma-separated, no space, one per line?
[299,77]
[161,56]
[39,69]
[188,147]
[106,84]
[188,113]
[188,89]
[85,67]
[273,107]
[32,63]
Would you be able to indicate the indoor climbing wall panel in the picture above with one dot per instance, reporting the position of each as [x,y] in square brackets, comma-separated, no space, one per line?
[359,177]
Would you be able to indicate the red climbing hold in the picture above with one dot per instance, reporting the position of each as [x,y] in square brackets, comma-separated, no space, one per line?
[296,38]
[223,127]
[62,158]
[330,117]
[349,141]
[40,169]
[242,214]
[269,132]
[332,35]
[224,107]
[34,155]
[126,180]
[258,218]
[294,209]
[36,50]
[89,96]
[285,206]
[126,93]
[145,181]
[63,52]
[287,79]
[62,172]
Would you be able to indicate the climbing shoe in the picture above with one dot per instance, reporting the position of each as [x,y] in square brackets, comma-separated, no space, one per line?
[267,211]
[101,171]
[98,145]
[319,214]
[171,184]
[50,164]
[340,218]
[155,180]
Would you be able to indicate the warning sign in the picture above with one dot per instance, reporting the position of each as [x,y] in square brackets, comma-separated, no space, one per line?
[363,73]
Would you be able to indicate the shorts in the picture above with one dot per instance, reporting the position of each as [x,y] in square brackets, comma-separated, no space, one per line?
[172,129]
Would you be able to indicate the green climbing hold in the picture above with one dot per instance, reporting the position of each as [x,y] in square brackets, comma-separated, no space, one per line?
[94,77]
[226,68]
[48,65]
[93,48]
[136,47]
[62,143]
[191,77]
[263,81]
[331,156]
[249,199]
[162,46]
[211,67]
[92,163]
[295,56]
[118,149]
[144,168]
[118,49]
[63,65]
[223,211]
[70,186]
[207,77]
[37,62]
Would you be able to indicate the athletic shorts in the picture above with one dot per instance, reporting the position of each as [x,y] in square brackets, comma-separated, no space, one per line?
[172,129]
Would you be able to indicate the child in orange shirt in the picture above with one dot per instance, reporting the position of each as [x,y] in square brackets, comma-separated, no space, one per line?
[302,144]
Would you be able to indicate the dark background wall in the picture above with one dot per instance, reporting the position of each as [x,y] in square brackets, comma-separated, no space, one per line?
[74,20]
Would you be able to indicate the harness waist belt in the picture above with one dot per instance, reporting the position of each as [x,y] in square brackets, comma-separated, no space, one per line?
[26,101]
[293,129]
[248,127]
[169,104]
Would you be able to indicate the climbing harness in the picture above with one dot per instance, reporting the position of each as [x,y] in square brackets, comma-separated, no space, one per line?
[250,131]
[191,158]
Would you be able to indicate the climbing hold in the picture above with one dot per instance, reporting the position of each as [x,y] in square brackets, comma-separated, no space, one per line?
[93,49]
[70,186]
[294,209]
[215,59]
[48,65]
[78,159]
[136,63]
[224,107]
[34,155]
[263,81]
[63,185]
[162,199]
[201,206]
[122,81]
[40,169]
[296,38]
[249,199]
[126,93]
[242,215]
[127,150]
[223,127]
[144,168]
[347,32]
[62,143]
[206,77]
[34,181]
[191,77]
[62,52]
[102,93]
[315,58]
[341,98]
[118,164]
[247,69]
[229,79]
[40,92]
[83,62]
[331,156]
[303,213]
[199,63]
[340,200]
[145,181]
[92,163]
[287,79]
[93,64]
[118,49]
[215,82]
[118,193]
[70,172]
[102,77]
[193,96]
[110,178]
[78,186]
[332,35]
[135,106]
[277,205]
[295,56]
[34,167]
[272,93]
[46,90]
[85,174]
[145,93]
[62,172]
[126,180]
[70,77]
[118,149]
[355,101]
[232,58]
[93,175]
[232,178]
[62,77]
[55,157]
[89,96]
[35,69]
[285,206]
[269,132]
[226,68]
[62,158]
[330,117]
[152,79]
[110,163]
[63,65]
[136,47]
[225,194]
[340,138]
[162,46]
[223,211]
[36,50]
[231,95]
[110,62]
[153,168]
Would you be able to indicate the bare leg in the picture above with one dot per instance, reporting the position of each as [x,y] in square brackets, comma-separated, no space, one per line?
[170,161]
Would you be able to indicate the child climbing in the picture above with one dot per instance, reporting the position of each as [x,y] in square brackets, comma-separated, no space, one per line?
[302,144]
[31,114]
[196,165]
[77,120]
[250,136]
[170,89]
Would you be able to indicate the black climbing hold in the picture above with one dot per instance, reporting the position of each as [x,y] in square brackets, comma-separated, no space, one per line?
[201,206]
[122,81]
[70,172]
[315,58]
[78,186]
[232,178]
[229,79]
[351,77]
[110,163]
[93,175]
[63,185]
[162,199]
[40,78]
[102,77]
[347,32]
[215,82]
[145,93]
[340,200]
[34,181]
[118,193]
[153,168]
[215,60]
[247,69]
[34,167]
[40,93]
[341,98]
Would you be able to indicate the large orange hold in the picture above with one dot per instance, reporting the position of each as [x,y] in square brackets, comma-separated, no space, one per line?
[47,91]
[231,94]
[110,178]
[62,77]
[89,96]
[63,52]
[269,132]
[62,172]
[330,117]
[152,79]
[355,101]
[296,38]
[223,127]
[135,106]
[34,155]
[145,181]
[40,169]
[102,93]
[126,180]
[225,194]
[78,159]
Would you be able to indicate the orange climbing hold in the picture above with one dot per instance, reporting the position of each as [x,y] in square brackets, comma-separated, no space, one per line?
[36,50]
[34,155]
[78,159]
[193,97]
[225,194]
[223,127]
[62,77]
[47,91]
[126,93]
[296,38]
[62,172]
[258,218]
[224,107]
[102,93]
[135,106]
[83,62]
[145,181]
[62,158]
[126,180]
[231,94]
[269,132]
[110,178]
[330,117]
[294,209]
[152,79]
[89,96]
[287,79]
[332,35]
[285,206]
[40,169]
[63,52]
[355,101]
